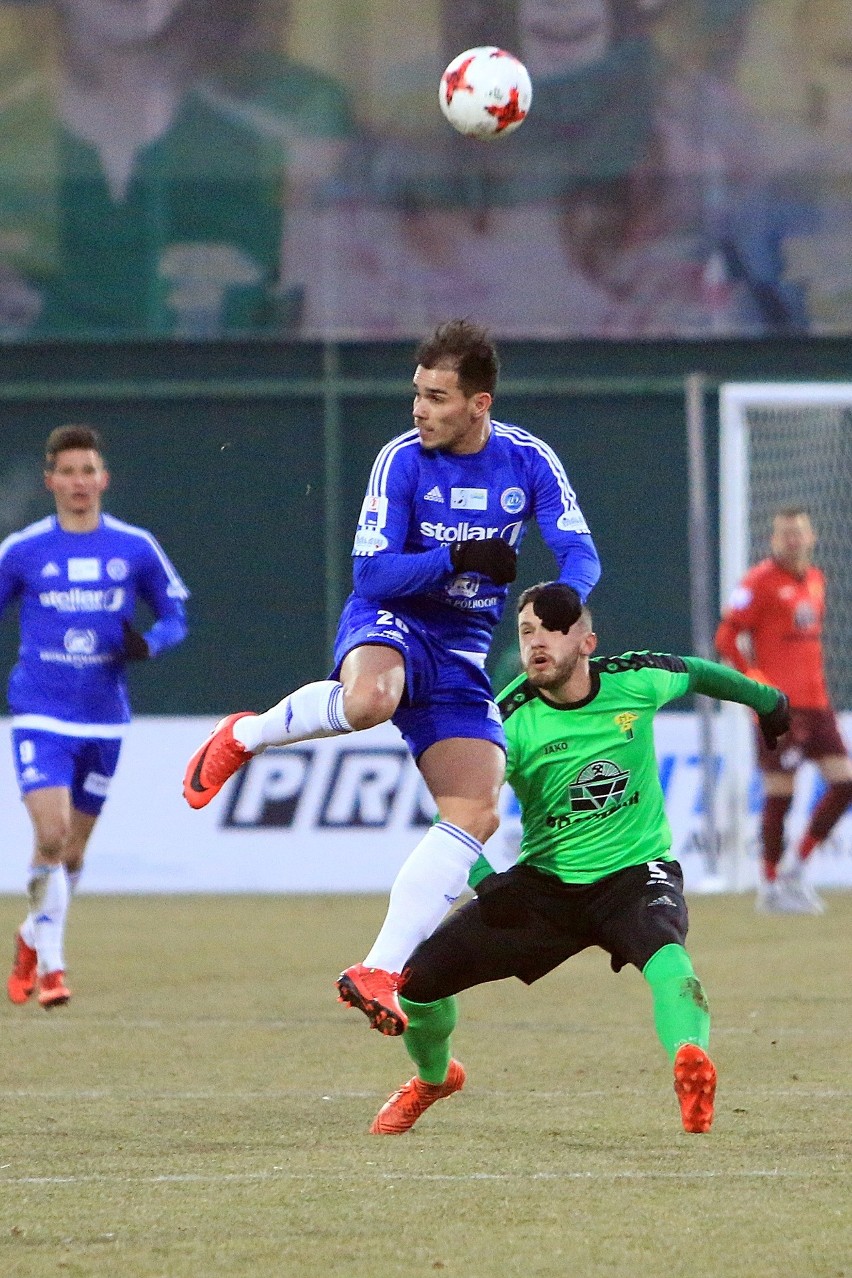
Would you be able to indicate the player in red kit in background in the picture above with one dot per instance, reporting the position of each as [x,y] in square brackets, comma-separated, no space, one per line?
[772,629]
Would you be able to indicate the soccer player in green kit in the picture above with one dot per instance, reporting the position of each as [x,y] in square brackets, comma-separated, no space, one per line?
[595,865]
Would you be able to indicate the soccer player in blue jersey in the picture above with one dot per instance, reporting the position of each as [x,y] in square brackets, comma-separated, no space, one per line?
[446,509]
[76,577]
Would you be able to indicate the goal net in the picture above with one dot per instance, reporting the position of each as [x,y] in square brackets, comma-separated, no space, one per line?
[781,444]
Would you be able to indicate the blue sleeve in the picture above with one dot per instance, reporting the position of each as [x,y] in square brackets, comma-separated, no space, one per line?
[10,585]
[382,568]
[562,525]
[580,566]
[392,575]
[163,591]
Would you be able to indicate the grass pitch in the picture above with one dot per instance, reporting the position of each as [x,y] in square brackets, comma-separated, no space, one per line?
[201,1108]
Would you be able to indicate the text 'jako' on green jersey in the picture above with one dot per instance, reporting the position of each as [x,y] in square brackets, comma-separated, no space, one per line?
[586,774]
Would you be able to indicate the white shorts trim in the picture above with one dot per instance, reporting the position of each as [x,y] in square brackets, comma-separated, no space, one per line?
[476,658]
[44,723]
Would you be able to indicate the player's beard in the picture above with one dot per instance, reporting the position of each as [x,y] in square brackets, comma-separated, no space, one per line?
[554,678]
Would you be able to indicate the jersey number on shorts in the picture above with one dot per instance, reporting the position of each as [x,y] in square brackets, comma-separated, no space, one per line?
[385,618]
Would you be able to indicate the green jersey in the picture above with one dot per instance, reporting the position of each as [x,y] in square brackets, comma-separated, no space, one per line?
[585,774]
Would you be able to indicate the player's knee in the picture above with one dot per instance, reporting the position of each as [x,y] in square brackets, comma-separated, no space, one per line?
[50,842]
[489,824]
[368,706]
[479,821]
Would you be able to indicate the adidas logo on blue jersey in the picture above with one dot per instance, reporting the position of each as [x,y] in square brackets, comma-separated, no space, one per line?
[434,494]
[50,570]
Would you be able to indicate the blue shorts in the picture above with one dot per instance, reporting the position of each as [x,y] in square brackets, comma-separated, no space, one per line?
[83,765]
[446,695]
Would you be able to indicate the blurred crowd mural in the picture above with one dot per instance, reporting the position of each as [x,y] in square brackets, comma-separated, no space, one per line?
[199,167]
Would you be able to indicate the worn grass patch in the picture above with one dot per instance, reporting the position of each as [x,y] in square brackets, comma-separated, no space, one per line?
[201,1108]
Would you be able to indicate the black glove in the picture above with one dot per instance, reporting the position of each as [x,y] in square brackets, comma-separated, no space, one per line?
[135,645]
[777,722]
[558,606]
[501,901]
[494,558]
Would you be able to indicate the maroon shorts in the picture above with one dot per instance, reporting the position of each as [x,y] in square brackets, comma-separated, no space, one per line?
[813,734]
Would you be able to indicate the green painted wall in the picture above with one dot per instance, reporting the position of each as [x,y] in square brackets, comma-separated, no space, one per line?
[249,461]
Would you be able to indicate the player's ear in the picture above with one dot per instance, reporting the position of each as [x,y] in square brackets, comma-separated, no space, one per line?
[105,477]
[589,644]
[482,402]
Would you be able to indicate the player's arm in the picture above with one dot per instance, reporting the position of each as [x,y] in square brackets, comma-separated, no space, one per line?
[733,634]
[164,593]
[11,585]
[383,569]
[771,706]
[563,526]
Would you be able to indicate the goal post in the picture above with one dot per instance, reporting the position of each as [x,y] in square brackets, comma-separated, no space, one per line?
[780,443]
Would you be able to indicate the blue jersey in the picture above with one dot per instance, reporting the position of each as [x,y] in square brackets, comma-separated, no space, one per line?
[419,502]
[75,589]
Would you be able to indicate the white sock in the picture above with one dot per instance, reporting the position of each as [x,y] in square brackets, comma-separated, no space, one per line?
[316,710]
[48,890]
[428,883]
[27,930]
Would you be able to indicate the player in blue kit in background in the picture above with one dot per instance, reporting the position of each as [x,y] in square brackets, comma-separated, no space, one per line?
[445,512]
[76,576]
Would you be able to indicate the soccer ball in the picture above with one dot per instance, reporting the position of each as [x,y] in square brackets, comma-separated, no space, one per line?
[485,93]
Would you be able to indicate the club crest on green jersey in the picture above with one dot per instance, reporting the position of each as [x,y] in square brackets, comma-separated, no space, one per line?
[599,785]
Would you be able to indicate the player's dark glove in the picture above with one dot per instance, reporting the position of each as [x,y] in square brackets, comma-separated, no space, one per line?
[777,722]
[135,645]
[501,901]
[494,558]
[558,606]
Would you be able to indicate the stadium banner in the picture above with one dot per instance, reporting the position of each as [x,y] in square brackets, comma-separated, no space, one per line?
[338,815]
[683,170]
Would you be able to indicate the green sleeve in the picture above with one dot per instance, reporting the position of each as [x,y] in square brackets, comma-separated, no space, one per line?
[726,684]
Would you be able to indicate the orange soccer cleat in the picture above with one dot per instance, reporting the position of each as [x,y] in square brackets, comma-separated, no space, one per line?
[375,993]
[695,1085]
[52,990]
[401,1111]
[217,759]
[22,978]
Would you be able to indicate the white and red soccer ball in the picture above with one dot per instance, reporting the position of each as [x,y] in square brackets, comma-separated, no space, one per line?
[485,93]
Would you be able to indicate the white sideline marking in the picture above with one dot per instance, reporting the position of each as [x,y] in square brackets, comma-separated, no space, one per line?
[186,1178]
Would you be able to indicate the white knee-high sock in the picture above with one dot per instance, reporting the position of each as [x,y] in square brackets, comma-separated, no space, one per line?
[314,711]
[48,893]
[27,928]
[427,884]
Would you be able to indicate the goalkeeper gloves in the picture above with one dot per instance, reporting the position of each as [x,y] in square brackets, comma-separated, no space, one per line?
[135,645]
[777,722]
[494,558]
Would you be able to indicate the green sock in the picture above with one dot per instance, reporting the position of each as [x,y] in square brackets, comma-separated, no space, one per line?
[681,1014]
[427,1038]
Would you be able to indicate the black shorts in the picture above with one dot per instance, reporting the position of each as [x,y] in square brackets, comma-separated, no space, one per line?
[630,914]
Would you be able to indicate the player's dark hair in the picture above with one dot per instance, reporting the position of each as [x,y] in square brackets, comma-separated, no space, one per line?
[468,349]
[556,604]
[64,437]
[790,512]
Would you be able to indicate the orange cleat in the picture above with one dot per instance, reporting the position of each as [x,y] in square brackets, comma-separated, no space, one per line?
[214,762]
[52,990]
[695,1085]
[401,1111]
[375,993]
[22,979]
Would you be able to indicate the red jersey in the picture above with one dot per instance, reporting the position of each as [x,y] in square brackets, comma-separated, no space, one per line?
[782,616]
